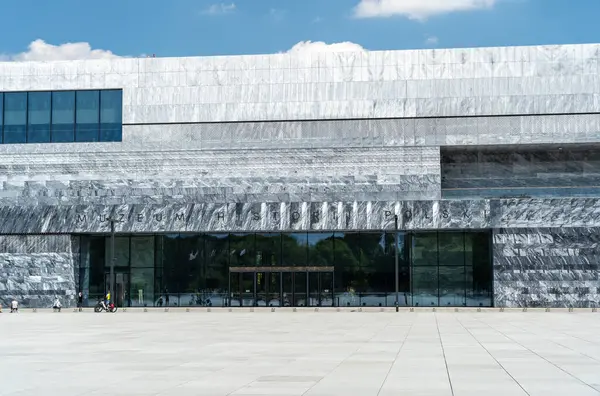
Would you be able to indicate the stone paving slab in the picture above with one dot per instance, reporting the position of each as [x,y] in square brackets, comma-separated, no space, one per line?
[300,353]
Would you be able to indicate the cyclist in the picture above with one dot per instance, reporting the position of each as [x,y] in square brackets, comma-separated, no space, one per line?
[106,302]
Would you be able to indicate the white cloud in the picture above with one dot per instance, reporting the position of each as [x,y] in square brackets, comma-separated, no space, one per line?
[220,8]
[39,50]
[416,9]
[320,46]
[432,40]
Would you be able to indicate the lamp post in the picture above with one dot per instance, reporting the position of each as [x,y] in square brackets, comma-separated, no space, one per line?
[112,262]
[396,258]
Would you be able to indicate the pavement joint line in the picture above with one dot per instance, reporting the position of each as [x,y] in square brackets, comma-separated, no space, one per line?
[557,343]
[396,358]
[543,358]
[437,325]
[493,357]
[340,363]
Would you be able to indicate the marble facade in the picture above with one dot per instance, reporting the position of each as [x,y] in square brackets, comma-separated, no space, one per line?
[307,142]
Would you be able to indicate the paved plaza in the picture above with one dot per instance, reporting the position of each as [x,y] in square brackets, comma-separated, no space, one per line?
[300,353]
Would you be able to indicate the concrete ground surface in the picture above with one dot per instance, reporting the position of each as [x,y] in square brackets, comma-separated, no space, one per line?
[300,353]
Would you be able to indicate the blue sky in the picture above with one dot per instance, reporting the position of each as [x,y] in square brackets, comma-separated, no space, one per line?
[208,27]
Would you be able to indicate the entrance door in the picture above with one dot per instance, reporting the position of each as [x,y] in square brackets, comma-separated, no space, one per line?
[249,287]
[121,293]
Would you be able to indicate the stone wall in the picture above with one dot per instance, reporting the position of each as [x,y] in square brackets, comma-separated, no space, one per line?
[547,267]
[35,269]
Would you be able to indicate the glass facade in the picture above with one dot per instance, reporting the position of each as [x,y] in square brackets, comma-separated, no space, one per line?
[61,116]
[521,171]
[292,269]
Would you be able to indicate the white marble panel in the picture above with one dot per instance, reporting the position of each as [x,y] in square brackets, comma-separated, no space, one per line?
[537,80]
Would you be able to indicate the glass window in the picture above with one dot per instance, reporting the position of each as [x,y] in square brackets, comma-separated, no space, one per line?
[38,121]
[15,117]
[142,287]
[121,252]
[268,249]
[451,248]
[63,116]
[111,118]
[425,286]
[452,286]
[479,271]
[87,116]
[142,251]
[320,250]
[97,249]
[183,269]
[294,251]
[424,249]
[374,262]
[343,254]
[241,250]
[217,251]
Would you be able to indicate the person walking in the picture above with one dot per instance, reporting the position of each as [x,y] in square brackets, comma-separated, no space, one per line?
[57,306]
[14,306]
[80,301]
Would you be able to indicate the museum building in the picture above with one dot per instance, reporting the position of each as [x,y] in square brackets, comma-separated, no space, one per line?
[298,179]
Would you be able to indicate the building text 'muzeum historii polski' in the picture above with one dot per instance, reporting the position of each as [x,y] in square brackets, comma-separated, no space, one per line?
[277,180]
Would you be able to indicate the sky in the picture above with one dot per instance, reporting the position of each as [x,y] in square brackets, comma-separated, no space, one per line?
[79,29]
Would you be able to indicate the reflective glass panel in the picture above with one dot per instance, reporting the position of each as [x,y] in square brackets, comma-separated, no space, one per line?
[424,249]
[343,255]
[142,287]
[268,249]
[97,249]
[63,116]
[479,269]
[38,128]
[241,250]
[121,252]
[183,275]
[87,116]
[425,286]
[452,286]
[111,118]
[217,268]
[320,249]
[373,263]
[294,249]
[15,117]
[451,248]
